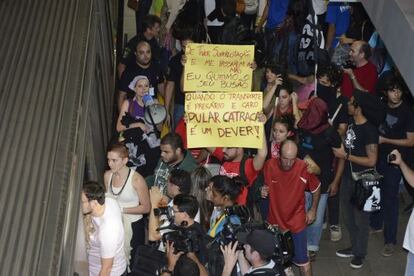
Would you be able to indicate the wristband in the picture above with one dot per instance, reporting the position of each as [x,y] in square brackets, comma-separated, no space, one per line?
[165,270]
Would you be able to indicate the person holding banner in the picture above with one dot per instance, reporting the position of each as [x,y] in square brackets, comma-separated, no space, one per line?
[174,86]
[233,157]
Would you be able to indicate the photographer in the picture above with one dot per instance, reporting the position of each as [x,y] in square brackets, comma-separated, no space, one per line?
[255,259]
[408,243]
[187,236]
[180,264]
[179,182]
[396,132]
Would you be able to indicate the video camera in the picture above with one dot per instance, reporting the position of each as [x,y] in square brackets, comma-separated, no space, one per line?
[184,239]
[282,239]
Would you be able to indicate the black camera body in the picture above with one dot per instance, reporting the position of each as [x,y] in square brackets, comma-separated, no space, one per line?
[348,65]
[184,239]
[391,157]
[282,239]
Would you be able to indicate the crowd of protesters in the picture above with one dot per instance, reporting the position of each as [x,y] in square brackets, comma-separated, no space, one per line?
[336,114]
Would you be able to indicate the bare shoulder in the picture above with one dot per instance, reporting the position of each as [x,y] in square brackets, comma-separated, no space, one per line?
[138,179]
[107,176]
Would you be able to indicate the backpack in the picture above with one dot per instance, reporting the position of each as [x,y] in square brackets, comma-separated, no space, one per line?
[254,198]
[234,32]
[147,261]
[189,17]
[251,6]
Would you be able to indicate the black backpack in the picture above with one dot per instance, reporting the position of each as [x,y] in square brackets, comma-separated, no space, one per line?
[254,198]
[234,32]
[190,18]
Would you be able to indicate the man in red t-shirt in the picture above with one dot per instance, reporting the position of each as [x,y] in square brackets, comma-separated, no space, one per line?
[286,180]
[364,76]
[232,158]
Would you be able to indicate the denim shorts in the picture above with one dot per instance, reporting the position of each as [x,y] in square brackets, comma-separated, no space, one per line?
[300,256]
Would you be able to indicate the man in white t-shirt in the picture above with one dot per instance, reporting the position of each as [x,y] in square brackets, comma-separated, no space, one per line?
[106,256]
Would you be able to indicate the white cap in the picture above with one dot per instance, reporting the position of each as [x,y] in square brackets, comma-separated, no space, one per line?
[135,80]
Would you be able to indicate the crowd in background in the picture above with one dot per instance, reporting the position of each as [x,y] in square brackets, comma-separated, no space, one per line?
[338,139]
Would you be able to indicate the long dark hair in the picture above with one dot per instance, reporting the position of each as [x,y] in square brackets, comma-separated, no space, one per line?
[226,186]
[200,178]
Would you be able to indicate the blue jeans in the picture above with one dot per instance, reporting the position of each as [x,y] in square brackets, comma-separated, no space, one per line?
[388,215]
[314,231]
[409,269]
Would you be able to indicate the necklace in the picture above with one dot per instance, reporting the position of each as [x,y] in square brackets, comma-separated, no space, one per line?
[123,186]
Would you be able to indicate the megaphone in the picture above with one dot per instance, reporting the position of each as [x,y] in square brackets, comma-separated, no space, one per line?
[154,113]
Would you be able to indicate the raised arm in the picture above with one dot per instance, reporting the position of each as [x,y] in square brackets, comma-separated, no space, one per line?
[261,155]
[154,223]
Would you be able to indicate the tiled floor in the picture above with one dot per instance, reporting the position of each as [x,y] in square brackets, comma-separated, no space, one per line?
[327,264]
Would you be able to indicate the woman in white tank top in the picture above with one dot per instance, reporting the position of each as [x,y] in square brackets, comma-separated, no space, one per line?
[130,190]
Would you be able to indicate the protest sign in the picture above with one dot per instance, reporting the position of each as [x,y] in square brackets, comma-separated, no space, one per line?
[227,119]
[213,67]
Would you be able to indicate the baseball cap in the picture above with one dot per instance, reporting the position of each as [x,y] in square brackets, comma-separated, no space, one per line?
[262,241]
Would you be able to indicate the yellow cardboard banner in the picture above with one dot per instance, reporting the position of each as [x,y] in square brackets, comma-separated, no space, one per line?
[227,119]
[214,67]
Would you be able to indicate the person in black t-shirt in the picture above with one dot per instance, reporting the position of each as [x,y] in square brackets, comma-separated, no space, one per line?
[151,27]
[185,208]
[174,86]
[314,144]
[328,89]
[397,132]
[360,152]
[143,66]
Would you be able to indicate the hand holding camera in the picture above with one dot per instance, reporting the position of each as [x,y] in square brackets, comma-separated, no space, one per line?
[394,157]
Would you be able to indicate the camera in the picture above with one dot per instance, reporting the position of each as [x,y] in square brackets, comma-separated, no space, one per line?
[238,210]
[184,239]
[283,240]
[391,157]
[168,212]
[348,64]
[284,244]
